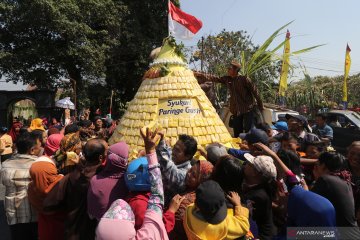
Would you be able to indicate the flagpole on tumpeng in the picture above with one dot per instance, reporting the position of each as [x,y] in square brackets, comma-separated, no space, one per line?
[168,8]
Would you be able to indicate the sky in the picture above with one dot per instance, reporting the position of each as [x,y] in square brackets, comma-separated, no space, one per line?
[331,22]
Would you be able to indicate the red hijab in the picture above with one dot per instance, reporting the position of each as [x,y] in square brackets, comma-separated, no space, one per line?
[13,132]
[53,144]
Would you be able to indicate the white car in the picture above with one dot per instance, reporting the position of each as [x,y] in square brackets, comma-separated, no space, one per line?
[271,113]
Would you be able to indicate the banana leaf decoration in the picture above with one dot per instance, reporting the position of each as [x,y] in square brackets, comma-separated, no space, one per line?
[264,57]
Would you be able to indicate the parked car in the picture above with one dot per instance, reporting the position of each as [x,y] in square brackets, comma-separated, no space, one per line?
[271,113]
[346,127]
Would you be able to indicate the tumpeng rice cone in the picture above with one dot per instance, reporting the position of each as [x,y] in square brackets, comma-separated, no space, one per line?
[170,99]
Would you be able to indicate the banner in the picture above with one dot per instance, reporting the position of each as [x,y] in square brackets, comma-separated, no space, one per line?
[346,74]
[285,66]
[177,107]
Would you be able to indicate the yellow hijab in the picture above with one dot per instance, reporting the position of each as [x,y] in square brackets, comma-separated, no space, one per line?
[37,124]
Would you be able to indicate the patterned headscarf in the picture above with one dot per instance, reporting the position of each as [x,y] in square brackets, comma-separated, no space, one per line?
[206,169]
[120,216]
[65,156]
[69,142]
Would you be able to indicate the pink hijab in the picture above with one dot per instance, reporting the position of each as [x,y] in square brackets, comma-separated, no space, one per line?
[118,223]
[52,144]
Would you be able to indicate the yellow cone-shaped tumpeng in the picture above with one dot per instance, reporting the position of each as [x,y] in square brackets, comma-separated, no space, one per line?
[170,99]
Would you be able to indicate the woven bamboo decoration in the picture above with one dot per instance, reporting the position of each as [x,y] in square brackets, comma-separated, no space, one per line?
[170,99]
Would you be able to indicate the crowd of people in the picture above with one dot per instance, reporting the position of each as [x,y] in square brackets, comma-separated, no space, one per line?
[68,183]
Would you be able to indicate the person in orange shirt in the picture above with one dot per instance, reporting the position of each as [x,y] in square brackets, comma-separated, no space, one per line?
[6,144]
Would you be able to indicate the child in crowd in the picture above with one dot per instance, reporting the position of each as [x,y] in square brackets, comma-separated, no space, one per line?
[290,143]
[208,217]
[253,136]
[138,183]
[312,152]
[228,173]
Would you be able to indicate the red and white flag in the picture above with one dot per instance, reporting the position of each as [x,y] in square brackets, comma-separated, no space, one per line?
[182,25]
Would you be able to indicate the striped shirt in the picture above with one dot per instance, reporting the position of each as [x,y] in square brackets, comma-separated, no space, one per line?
[243,92]
[15,177]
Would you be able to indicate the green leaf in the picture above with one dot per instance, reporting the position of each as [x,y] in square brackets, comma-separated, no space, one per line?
[263,48]
[306,49]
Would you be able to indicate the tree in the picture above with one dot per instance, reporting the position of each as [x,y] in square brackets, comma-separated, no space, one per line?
[101,44]
[45,41]
[322,91]
[142,31]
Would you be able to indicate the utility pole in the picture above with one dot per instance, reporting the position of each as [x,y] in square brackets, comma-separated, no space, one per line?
[111,98]
[73,81]
[202,54]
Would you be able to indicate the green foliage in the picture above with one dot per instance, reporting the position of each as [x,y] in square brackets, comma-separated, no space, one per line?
[264,57]
[43,42]
[322,92]
[164,70]
[178,47]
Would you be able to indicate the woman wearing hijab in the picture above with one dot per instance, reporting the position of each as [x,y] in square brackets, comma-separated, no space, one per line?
[67,157]
[51,146]
[198,173]
[37,124]
[44,176]
[15,131]
[109,184]
[118,222]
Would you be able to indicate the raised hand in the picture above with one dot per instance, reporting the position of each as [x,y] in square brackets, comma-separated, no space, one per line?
[150,139]
[264,150]
[175,203]
[234,198]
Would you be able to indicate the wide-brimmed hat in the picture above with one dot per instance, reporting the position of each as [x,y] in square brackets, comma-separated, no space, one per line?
[234,63]
[210,199]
